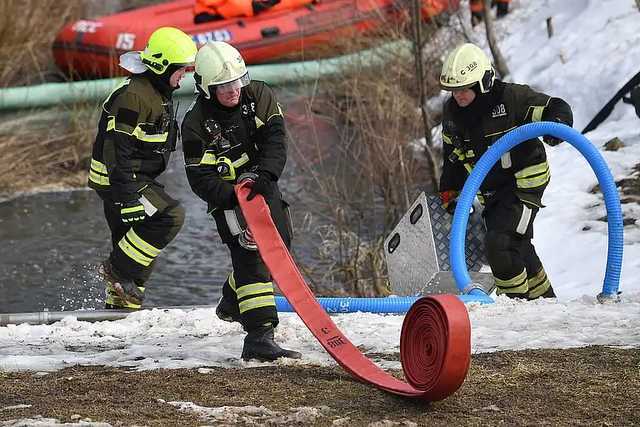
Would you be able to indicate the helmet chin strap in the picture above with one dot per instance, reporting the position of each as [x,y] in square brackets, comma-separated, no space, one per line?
[487,81]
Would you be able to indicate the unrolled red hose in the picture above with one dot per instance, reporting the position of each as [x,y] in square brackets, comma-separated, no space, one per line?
[435,342]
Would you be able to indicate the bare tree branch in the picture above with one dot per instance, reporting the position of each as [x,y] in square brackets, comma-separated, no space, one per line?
[498,59]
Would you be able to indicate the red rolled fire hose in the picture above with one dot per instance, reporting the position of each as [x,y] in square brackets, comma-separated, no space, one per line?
[435,343]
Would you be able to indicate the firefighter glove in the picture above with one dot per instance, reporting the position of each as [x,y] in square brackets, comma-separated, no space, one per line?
[449,200]
[132,212]
[550,139]
[260,183]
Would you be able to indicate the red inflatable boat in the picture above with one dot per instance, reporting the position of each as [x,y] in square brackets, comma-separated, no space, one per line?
[90,48]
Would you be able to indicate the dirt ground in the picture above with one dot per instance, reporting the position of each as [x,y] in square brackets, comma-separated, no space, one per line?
[586,386]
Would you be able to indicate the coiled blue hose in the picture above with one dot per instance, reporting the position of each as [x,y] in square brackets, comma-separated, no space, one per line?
[506,143]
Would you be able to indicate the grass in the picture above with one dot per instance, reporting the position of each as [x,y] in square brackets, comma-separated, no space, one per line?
[583,386]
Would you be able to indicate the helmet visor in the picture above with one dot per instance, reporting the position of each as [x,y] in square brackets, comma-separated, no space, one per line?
[234,85]
[451,87]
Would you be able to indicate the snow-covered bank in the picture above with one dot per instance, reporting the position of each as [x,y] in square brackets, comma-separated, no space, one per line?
[590,56]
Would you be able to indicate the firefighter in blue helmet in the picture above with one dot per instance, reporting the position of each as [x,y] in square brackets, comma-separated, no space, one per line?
[136,134]
[481,110]
[235,131]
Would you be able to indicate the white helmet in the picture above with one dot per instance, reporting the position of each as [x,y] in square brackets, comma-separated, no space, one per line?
[219,65]
[466,66]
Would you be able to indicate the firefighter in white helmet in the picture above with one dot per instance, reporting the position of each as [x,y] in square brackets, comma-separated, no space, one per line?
[481,110]
[235,131]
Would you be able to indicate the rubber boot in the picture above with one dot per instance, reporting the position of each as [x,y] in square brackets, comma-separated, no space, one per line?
[126,290]
[259,344]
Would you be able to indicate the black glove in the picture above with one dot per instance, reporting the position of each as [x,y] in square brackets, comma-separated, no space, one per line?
[451,207]
[449,200]
[132,212]
[552,140]
[260,183]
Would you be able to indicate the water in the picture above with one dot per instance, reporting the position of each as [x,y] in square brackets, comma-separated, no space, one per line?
[51,243]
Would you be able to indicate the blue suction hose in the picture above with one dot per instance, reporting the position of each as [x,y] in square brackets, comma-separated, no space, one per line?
[484,165]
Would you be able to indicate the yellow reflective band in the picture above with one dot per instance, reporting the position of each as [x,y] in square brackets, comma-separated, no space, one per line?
[133,253]
[257,302]
[232,282]
[143,136]
[208,158]
[540,276]
[539,289]
[468,167]
[132,209]
[241,161]
[138,133]
[533,170]
[446,139]
[534,182]
[259,122]
[98,167]
[536,115]
[98,179]
[111,123]
[141,244]
[459,153]
[470,153]
[513,281]
[526,178]
[254,289]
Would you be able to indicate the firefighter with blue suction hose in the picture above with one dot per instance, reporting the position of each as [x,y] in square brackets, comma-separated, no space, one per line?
[480,111]
[136,134]
[234,132]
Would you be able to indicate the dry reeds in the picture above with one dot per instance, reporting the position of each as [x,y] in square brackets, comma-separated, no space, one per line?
[366,181]
[43,148]
[27,30]
[46,148]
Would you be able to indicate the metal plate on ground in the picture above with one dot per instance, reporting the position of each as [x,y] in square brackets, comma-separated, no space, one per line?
[417,250]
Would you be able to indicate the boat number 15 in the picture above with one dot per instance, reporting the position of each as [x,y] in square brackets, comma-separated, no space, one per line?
[125,41]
